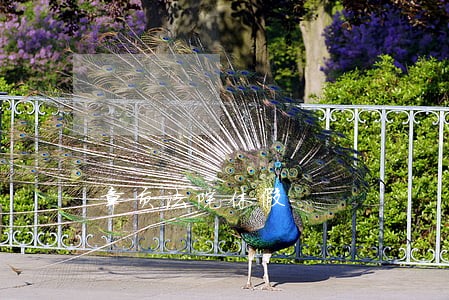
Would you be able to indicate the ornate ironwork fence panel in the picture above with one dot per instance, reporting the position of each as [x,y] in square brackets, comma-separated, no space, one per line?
[405,218]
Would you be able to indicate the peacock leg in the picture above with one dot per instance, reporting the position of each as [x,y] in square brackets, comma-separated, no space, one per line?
[251,255]
[265,261]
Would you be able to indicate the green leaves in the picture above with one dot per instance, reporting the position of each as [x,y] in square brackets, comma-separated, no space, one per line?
[425,84]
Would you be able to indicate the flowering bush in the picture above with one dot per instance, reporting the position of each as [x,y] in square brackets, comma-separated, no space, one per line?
[358,46]
[35,45]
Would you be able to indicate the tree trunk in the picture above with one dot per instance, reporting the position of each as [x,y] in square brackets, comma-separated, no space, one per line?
[316,51]
[156,14]
[238,27]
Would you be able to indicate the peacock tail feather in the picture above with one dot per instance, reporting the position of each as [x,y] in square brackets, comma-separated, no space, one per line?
[179,128]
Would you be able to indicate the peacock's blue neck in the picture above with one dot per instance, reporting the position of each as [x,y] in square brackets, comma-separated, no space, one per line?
[281,212]
[280,229]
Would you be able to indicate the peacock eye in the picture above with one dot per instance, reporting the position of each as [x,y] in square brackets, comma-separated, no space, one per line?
[251,171]
[230,170]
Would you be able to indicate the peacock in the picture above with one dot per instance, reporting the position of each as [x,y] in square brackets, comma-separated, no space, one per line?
[156,119]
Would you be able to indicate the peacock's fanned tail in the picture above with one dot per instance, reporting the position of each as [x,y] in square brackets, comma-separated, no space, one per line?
[166,121]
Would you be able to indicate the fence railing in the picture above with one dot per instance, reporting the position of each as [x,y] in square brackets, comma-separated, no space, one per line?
[405,218]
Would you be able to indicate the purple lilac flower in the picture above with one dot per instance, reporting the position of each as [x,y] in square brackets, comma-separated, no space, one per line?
[359,46]
[39,43]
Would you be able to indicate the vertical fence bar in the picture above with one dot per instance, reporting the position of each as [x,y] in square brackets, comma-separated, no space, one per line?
[111,208]
[84,233]
[216,228]
[383,121]
[324,248]
[410,185]
[1,146]
[110,227]
[135,193]
[298,250]
[36,165]
[354,211]
[441,120]
[11,172]
[59,186]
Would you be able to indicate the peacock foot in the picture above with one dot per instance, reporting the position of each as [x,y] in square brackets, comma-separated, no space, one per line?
[268,287]
[248,286]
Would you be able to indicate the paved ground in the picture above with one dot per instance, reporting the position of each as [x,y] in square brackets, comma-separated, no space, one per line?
[136,278]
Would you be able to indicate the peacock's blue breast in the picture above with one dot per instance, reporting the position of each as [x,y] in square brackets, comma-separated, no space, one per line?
[270,239]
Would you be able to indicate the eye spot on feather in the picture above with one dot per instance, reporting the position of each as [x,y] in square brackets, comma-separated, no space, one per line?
[241,156]
[274,87]
[77,173]
[278,147]
[250,170]
[293,173]
[284,173]
[307,177]
[230,170]
[98,94]
[230,89]
[319,162]
[108,68]
[229,184]
[239,178]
